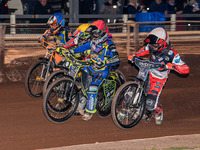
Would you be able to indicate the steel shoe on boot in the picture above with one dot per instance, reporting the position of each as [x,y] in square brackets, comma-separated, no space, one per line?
[87,116]
[122,115]
[81,106]
[159,118]
[80,112]
[147,116]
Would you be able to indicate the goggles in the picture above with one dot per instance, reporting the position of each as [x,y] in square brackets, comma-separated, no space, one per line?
[84,34]
[152,39]
[54,26]
[155,45]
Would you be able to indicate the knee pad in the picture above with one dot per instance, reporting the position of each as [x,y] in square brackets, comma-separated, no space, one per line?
[151,102]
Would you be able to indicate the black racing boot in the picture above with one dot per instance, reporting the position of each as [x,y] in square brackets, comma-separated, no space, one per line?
[147,116]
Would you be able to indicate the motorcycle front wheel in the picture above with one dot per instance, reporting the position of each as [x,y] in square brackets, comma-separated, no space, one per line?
[35,78]
[53,76]
[124,96]
[61,100]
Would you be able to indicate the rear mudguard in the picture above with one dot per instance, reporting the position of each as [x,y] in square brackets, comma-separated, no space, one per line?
[118,74]
[122,79]
[109,88]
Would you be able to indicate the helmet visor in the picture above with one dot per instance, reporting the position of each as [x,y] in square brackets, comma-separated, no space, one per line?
[84,34]
[151,39]
[54,28]
[95,32]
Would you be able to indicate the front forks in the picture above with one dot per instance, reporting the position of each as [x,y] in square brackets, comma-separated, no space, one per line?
[138,95]
[133,100]
[47,71]
[40,78]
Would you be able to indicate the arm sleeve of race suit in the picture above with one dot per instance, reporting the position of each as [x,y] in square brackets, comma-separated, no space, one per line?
[45,35]
[142,52]
[179,65]
[82,48]
[70,43]
[114,56]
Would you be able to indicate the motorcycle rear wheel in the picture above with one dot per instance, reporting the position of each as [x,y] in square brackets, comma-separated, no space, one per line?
[101,101]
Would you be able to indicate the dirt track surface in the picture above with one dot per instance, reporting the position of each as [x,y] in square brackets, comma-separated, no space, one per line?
[161,143]
[23,125]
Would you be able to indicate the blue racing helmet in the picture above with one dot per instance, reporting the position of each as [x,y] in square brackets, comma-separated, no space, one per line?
[56,21]
[56,18]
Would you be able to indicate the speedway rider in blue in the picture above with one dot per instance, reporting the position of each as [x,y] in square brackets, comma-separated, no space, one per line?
[104,56]
[57,28]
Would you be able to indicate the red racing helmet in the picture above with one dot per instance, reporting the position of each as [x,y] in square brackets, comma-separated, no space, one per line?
[99,32]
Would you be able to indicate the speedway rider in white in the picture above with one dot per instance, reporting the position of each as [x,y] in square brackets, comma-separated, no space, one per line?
[158,46]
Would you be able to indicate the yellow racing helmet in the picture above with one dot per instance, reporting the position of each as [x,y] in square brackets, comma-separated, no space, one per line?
[83,27]
[84,35]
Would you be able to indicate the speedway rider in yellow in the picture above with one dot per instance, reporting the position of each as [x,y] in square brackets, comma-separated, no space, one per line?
[79,37]
[104,57]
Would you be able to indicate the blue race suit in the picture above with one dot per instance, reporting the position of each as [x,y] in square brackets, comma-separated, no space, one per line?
[61,37]
[103,57]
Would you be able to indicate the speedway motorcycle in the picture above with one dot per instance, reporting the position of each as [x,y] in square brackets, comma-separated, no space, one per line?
[133,94]
[64,94]
[38,72]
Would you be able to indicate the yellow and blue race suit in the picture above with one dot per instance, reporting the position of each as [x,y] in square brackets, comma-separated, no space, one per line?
[103,57]
[61,38]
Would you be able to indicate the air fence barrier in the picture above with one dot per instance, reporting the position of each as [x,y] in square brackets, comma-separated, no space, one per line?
[14,46]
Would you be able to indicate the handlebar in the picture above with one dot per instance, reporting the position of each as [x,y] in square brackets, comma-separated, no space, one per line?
[77,62]
[147,64]
[48,46]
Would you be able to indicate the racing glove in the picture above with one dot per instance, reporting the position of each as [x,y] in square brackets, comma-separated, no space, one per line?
[50,49]
[41,39]
[100,64]
[62,51]
[170,66]
[45,35]
[131,58]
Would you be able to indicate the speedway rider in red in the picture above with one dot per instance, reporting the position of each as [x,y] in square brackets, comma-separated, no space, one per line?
[158,46]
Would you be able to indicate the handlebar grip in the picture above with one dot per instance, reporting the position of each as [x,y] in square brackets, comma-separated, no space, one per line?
[162,66]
